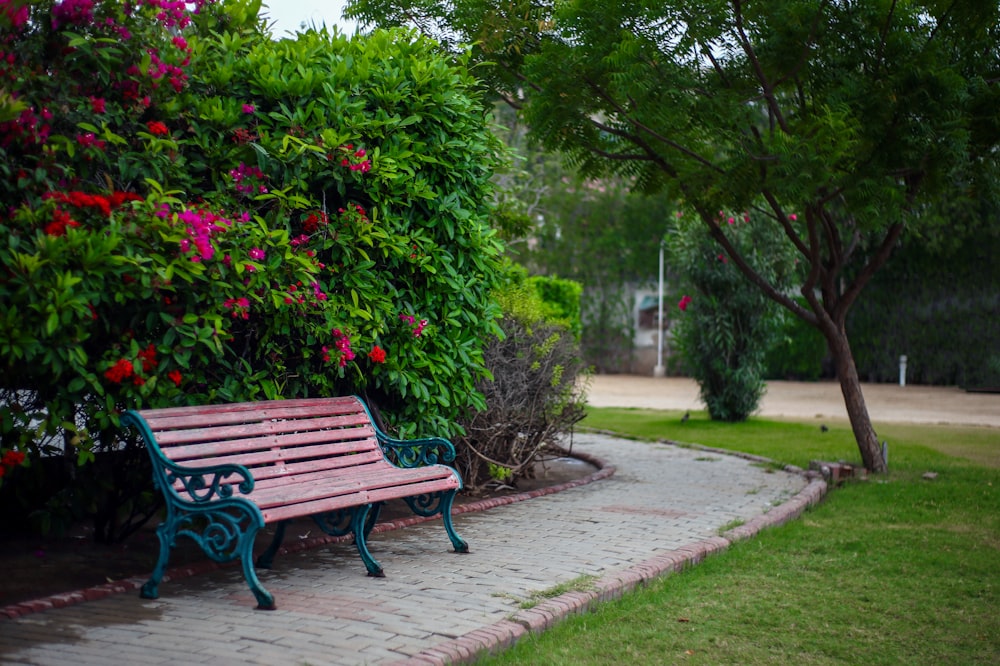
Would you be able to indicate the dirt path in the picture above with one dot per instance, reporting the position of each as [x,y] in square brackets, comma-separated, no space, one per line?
[886,402]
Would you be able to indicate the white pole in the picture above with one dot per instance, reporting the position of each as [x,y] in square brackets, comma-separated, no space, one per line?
[659,370]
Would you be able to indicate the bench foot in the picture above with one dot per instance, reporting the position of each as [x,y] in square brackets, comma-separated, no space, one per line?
[460,544]
[149,590]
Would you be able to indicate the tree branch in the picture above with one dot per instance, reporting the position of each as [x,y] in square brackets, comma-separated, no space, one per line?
[649,130]
[766,87]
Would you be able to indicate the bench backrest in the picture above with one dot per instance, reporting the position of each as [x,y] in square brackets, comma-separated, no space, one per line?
[273,439]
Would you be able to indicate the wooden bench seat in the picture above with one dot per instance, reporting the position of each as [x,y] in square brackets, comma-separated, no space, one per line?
[226,471]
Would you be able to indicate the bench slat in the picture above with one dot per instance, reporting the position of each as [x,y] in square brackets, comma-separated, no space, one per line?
[338,443]
[370,477]
[344,501]
[270,475]
[253,459]
[267,475]
[167,438]
[341,405]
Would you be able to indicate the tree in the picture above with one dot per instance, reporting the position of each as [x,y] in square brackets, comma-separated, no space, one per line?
[844,124]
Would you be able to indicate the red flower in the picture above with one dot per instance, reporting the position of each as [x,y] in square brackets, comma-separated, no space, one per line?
[121,370]
[157,128]
[684,302]
[12,458]
[60,220]
[148,357]
[377,354]
[175,377]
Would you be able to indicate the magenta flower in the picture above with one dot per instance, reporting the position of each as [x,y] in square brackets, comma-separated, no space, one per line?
[256,254]
[684,302]
[249,108]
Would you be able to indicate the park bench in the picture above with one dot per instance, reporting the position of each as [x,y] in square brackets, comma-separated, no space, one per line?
[226,471]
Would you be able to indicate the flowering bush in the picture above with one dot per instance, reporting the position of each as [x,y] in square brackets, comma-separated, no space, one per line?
[197,213]
[727,326]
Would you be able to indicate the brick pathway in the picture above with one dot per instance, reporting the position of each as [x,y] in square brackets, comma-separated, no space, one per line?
[663,507]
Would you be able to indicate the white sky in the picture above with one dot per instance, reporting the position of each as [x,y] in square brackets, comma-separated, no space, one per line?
[287,16]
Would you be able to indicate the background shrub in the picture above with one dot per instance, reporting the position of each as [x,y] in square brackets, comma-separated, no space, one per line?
[197,213]
[727,324]
[534,396]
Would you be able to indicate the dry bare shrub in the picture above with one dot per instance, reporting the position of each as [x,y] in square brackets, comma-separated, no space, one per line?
[532,402]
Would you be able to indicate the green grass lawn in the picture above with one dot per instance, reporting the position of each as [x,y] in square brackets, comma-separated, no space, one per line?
[898,569]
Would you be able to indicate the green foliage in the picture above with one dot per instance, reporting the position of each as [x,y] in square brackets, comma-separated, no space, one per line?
[726,325]
[560,301]
[198,213]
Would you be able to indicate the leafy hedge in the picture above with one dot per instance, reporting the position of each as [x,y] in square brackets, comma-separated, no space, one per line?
[197,213]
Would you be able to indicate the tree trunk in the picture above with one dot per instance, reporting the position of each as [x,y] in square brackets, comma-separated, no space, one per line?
[857,410]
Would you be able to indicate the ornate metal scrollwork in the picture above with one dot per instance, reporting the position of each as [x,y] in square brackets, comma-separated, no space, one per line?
[428,504]
[206,484]
[417,452]
[219,532]
[335,523]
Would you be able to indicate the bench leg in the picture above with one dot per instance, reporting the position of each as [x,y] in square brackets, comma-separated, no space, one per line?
[150,589]
[373,514]
[265,600]
[266,559]
[434,503]
[460,544]
[359,522]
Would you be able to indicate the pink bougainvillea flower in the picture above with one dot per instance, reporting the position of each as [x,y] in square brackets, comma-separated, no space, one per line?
[97,104]
[684,302]
[256,254]
[75,12]
[17,16]
[240,307]
[249,108]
